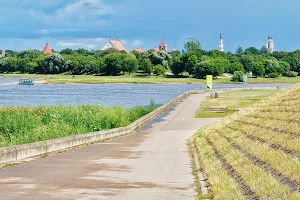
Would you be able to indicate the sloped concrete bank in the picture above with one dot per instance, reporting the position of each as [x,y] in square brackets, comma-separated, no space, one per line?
[20,152]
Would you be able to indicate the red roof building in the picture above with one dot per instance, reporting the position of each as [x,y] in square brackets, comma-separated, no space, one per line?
[138,50]
[2,54]
[47,49]
[114,44]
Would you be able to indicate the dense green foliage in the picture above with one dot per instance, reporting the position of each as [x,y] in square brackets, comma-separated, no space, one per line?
[193,60]
[26,125]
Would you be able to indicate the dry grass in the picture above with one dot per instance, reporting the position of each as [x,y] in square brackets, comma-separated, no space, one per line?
[255,152]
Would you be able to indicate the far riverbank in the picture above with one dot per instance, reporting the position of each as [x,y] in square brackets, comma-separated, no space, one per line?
[91,79]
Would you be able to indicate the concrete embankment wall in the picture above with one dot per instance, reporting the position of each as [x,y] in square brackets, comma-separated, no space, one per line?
[20,152]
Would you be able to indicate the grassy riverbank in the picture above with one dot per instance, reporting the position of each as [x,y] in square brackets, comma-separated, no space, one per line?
[91,79]
[26,125]
[233,100]
[254,154]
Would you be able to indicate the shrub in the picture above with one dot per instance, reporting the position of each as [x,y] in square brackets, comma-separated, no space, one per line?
[238,76]
[291,74]
[159,70]
[273,75]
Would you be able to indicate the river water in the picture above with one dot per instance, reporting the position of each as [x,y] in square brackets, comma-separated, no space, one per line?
[125,95]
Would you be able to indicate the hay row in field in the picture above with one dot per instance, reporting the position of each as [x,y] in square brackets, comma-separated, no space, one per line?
[255,153]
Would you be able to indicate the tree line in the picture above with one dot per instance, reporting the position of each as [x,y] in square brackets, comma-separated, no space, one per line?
[193,60]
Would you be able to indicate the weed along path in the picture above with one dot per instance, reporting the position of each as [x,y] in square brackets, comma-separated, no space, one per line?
[150,165]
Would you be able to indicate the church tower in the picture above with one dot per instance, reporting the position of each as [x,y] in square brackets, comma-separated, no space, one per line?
[163,46]
[221,45]
[270,45]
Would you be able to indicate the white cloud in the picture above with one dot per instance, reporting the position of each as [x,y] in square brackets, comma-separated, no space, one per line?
[88,43]
[124,42]
[137,43]
[82,12]
[49,31]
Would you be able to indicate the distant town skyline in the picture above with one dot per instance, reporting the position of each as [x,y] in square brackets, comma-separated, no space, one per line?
[87,23]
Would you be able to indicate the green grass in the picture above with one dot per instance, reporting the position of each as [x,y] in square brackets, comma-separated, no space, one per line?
[261,144]
[232,99]
[91,79]
[25,125]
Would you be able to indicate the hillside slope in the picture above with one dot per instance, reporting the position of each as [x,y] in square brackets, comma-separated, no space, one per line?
[255,153]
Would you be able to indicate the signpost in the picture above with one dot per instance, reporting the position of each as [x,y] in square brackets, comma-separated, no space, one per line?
[245,80]
[209,80]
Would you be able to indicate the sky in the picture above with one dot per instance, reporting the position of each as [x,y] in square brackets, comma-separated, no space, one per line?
[144,23]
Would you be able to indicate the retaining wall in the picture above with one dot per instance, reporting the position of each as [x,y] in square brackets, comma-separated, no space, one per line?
[20,152]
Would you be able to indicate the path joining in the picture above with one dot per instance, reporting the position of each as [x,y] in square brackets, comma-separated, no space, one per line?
[150,165]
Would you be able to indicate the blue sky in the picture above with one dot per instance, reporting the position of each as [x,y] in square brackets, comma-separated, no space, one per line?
[143,23]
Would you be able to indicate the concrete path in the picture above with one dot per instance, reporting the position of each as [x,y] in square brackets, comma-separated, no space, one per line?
[150,165]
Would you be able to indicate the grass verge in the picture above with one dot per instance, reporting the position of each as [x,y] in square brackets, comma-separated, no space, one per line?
[233,100]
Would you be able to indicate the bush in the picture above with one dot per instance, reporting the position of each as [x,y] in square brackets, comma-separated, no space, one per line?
[159,70]
[292,74]
[273,75]
[238,76]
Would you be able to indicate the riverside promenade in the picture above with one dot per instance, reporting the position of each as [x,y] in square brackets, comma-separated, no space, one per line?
[152,164]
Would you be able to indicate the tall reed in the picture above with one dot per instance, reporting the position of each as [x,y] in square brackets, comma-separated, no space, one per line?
[31,124]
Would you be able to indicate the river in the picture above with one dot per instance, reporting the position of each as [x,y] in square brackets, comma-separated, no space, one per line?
[125,95]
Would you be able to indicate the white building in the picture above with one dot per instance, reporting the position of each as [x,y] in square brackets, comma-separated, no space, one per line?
[221,44]
[270,45]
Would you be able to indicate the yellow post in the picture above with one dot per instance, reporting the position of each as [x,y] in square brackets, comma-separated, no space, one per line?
[209,81]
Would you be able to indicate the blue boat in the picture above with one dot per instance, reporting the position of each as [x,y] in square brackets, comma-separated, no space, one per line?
[25,81]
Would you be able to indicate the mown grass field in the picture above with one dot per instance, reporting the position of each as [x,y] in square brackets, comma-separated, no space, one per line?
[233,100]
[25,125]
[91,79]
[255,153]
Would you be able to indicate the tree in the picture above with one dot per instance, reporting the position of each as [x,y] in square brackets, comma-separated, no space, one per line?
[273,67]
[160,58]
[30,67]
[177,66]
[66,51]
[54,63]
[292,61]
[112,64]
[252,50]
[247,61]
[147,67]
[11,64]
[208,67]
[285,66]
[159,70]
[131,65]
[263,50]
[191,44]
[258,69]
[236,66]
[190,64]
[239,50]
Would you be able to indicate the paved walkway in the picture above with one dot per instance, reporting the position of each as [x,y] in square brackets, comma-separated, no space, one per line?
[150,165]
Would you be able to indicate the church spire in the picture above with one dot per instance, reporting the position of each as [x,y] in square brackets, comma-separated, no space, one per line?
[221,45]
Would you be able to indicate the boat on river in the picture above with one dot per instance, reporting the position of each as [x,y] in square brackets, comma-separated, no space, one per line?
[25,81]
